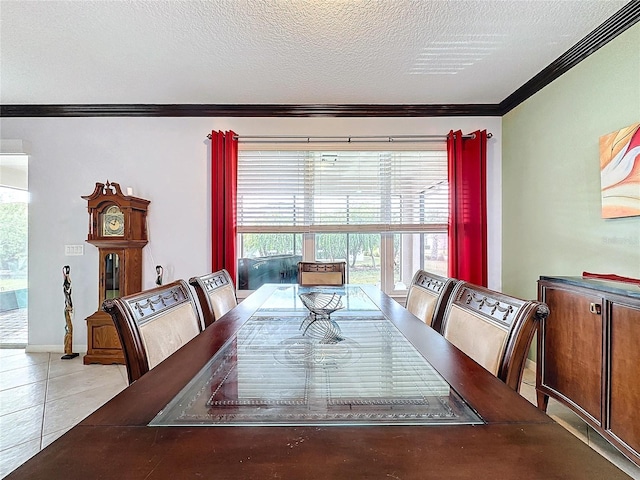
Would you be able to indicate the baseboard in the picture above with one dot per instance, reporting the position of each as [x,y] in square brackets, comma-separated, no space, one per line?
[80,349]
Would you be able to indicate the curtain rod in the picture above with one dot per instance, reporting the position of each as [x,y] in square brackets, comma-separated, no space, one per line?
[346,139]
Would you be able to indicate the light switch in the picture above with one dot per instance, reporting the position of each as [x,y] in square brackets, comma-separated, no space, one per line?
[70,250]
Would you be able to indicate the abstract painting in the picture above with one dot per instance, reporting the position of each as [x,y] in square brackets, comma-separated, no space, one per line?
[620,172]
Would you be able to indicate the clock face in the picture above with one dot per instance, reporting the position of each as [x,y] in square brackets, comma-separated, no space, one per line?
[113,222]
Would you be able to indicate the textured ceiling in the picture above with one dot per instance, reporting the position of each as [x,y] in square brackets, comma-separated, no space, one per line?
[283,52]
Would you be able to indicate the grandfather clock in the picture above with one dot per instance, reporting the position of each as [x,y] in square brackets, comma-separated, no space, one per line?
[118,227]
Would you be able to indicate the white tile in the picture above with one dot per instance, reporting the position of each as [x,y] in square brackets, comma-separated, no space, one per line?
[68,411]
[23,376]
[13,457]
[23,359]
[568,420]
[604,448]
[9,352]
[49,438]
[21,426]
[88,378]
[528,385]
[528,392]
[59,367]
[529,376]
[24,396]
[123,371]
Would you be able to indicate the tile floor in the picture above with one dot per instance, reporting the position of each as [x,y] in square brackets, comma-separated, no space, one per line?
[36,391]
[42,396]
[13,328]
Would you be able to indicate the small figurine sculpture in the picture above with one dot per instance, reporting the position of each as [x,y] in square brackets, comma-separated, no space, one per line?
[159,272]
[68,315]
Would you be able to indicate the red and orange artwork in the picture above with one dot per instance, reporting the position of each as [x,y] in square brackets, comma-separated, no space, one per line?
[620,172]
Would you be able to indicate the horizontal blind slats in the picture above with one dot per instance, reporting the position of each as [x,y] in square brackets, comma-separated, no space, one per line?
[326,191]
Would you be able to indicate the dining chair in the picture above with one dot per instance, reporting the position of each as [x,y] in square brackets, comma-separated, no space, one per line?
[153,324]
[493,328]
[427,297]
[321,273]
[216,295]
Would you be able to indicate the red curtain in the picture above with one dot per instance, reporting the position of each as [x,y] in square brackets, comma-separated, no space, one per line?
[224,185]
[468,206]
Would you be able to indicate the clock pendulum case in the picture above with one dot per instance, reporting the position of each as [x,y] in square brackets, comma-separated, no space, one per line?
[118,227]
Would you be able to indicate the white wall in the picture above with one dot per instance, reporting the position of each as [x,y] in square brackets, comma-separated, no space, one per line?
[165,160]
[13,163]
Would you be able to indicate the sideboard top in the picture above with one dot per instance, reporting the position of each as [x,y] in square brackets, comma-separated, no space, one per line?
[620,288]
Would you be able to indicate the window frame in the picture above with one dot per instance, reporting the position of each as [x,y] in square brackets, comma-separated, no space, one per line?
[387,275]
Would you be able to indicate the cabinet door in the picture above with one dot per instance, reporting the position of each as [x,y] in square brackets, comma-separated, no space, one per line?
[572,343]
[624,403]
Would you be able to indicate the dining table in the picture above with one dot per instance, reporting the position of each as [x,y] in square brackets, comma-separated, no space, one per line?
[318,383]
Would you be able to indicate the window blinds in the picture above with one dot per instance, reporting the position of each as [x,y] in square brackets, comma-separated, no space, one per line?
[334,191]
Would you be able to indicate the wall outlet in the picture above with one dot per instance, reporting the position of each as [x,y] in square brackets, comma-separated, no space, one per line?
[70,250]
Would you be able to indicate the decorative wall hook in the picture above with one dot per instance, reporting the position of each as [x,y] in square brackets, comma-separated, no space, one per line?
[159,273]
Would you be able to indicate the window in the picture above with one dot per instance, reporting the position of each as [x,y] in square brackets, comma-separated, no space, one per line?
[383,212]
[14,206]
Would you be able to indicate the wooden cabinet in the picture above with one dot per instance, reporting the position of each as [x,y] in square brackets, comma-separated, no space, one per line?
[120,273]
[103,343]
[589,355]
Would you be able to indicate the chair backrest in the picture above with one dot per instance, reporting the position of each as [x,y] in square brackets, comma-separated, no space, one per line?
[153,324]
[493,328]
[321,273]
[427,297]
[216,295]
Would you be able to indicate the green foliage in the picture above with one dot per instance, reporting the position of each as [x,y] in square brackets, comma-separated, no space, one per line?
[333,246]
[13,236]
[329,246]
[266,244]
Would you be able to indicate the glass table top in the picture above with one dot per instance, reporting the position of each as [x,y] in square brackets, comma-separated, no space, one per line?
[286,366]
[286,300]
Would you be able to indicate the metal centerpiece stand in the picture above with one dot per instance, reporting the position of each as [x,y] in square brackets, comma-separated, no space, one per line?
[318,325]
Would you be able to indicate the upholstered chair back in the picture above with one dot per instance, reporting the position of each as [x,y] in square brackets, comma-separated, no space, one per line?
[216,294]
[321,273]
[153,324]
[427,297]
[493,328]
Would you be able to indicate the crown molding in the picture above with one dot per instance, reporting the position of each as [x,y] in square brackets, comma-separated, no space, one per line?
[625,18]
[261,110]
